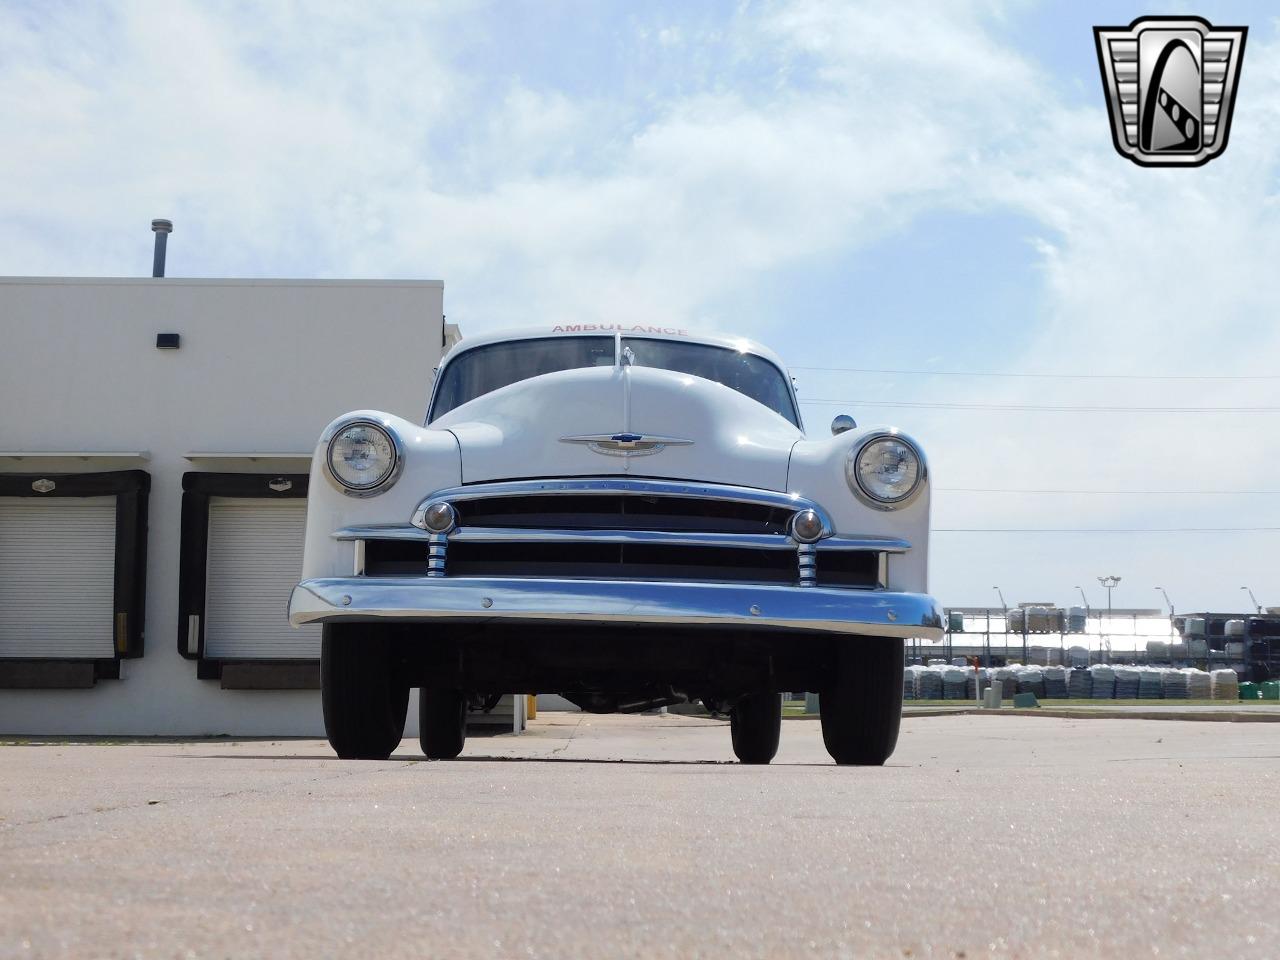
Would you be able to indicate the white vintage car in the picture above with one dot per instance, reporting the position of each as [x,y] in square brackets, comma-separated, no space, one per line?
[631,517]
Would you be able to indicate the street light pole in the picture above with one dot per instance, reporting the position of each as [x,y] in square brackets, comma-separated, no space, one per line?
[1257,607]
[1005,608]
[1109,583]
[1167,600]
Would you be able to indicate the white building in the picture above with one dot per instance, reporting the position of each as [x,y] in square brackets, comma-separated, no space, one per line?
[152,489]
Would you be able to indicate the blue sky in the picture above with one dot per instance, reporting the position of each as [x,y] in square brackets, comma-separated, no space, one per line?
[914,186]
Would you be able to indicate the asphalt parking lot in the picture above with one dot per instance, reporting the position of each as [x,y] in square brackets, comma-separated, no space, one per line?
[637,836]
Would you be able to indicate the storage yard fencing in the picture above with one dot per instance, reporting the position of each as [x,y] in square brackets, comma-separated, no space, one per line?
[1097,682]
[965,685]
[1077,637]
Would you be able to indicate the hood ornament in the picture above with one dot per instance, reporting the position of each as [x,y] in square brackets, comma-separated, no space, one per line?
[627,444]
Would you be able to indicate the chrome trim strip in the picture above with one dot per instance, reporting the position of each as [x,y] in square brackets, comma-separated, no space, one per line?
[381,531]
[760,541]
[879,544]
[628,487]
[757,541]
[359,560]
[821,609]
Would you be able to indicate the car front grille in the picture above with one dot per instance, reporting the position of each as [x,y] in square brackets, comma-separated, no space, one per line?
[622,530]
[589,560]
[621,512]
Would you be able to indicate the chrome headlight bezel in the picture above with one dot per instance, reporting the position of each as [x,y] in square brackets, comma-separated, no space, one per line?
[387,479]
[854,478]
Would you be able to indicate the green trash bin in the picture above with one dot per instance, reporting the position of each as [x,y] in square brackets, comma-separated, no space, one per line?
[1271,690]
[1250,691]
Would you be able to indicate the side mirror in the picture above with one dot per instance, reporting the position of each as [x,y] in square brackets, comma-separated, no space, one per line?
[842,423]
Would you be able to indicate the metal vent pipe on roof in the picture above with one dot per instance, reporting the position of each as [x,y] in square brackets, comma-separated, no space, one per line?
[162,229]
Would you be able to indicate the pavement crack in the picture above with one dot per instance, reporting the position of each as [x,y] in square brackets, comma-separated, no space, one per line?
[572,734]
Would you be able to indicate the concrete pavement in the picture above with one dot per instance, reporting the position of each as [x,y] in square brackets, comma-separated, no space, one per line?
[1005,836]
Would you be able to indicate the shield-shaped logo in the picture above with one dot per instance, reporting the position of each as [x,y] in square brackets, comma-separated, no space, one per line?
[1171,88]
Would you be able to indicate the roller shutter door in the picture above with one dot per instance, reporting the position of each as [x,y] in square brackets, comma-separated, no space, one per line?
[254,561]
[57,577]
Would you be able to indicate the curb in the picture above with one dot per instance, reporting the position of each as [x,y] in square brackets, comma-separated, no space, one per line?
[1219,716]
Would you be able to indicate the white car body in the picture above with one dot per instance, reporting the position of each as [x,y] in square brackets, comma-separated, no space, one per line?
[630,518]
[519,431]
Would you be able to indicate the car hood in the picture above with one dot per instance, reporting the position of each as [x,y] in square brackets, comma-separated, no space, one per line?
[622,421]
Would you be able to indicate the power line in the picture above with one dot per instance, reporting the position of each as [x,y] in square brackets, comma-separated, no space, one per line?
[1109,493]
[1041,376]
[1034,407]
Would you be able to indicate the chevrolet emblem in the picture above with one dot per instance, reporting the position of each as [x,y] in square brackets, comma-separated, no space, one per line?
[627,444]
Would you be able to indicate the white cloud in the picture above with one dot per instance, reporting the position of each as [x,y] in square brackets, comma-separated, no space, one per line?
[367,145]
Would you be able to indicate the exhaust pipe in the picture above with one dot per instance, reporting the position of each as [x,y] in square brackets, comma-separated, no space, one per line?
[162,229]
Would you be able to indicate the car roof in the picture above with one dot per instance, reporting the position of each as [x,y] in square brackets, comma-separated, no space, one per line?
[647,331]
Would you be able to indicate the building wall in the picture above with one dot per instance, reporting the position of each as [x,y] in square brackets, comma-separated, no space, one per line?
[263,366]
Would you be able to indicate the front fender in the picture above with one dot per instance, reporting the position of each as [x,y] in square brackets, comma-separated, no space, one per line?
[432,462]
[817,471]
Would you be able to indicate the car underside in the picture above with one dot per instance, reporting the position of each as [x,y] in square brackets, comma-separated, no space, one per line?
[621,669]
[367,670]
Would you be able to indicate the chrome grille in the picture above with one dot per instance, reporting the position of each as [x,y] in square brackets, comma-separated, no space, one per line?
[624,512]
[622,530]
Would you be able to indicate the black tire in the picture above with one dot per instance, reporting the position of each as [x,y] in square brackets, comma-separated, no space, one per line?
[364,702]
[861,707]
[755,723]
[442,722]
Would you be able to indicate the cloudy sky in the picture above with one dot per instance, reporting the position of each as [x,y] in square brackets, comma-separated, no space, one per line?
[924,187]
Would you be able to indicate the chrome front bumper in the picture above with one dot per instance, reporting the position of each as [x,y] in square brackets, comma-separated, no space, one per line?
[478,600]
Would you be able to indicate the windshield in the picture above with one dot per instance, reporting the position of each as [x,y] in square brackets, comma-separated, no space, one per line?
[750,375]
[484,369]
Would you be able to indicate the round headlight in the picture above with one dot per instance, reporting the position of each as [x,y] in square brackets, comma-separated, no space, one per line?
[885,470]
[363,456]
